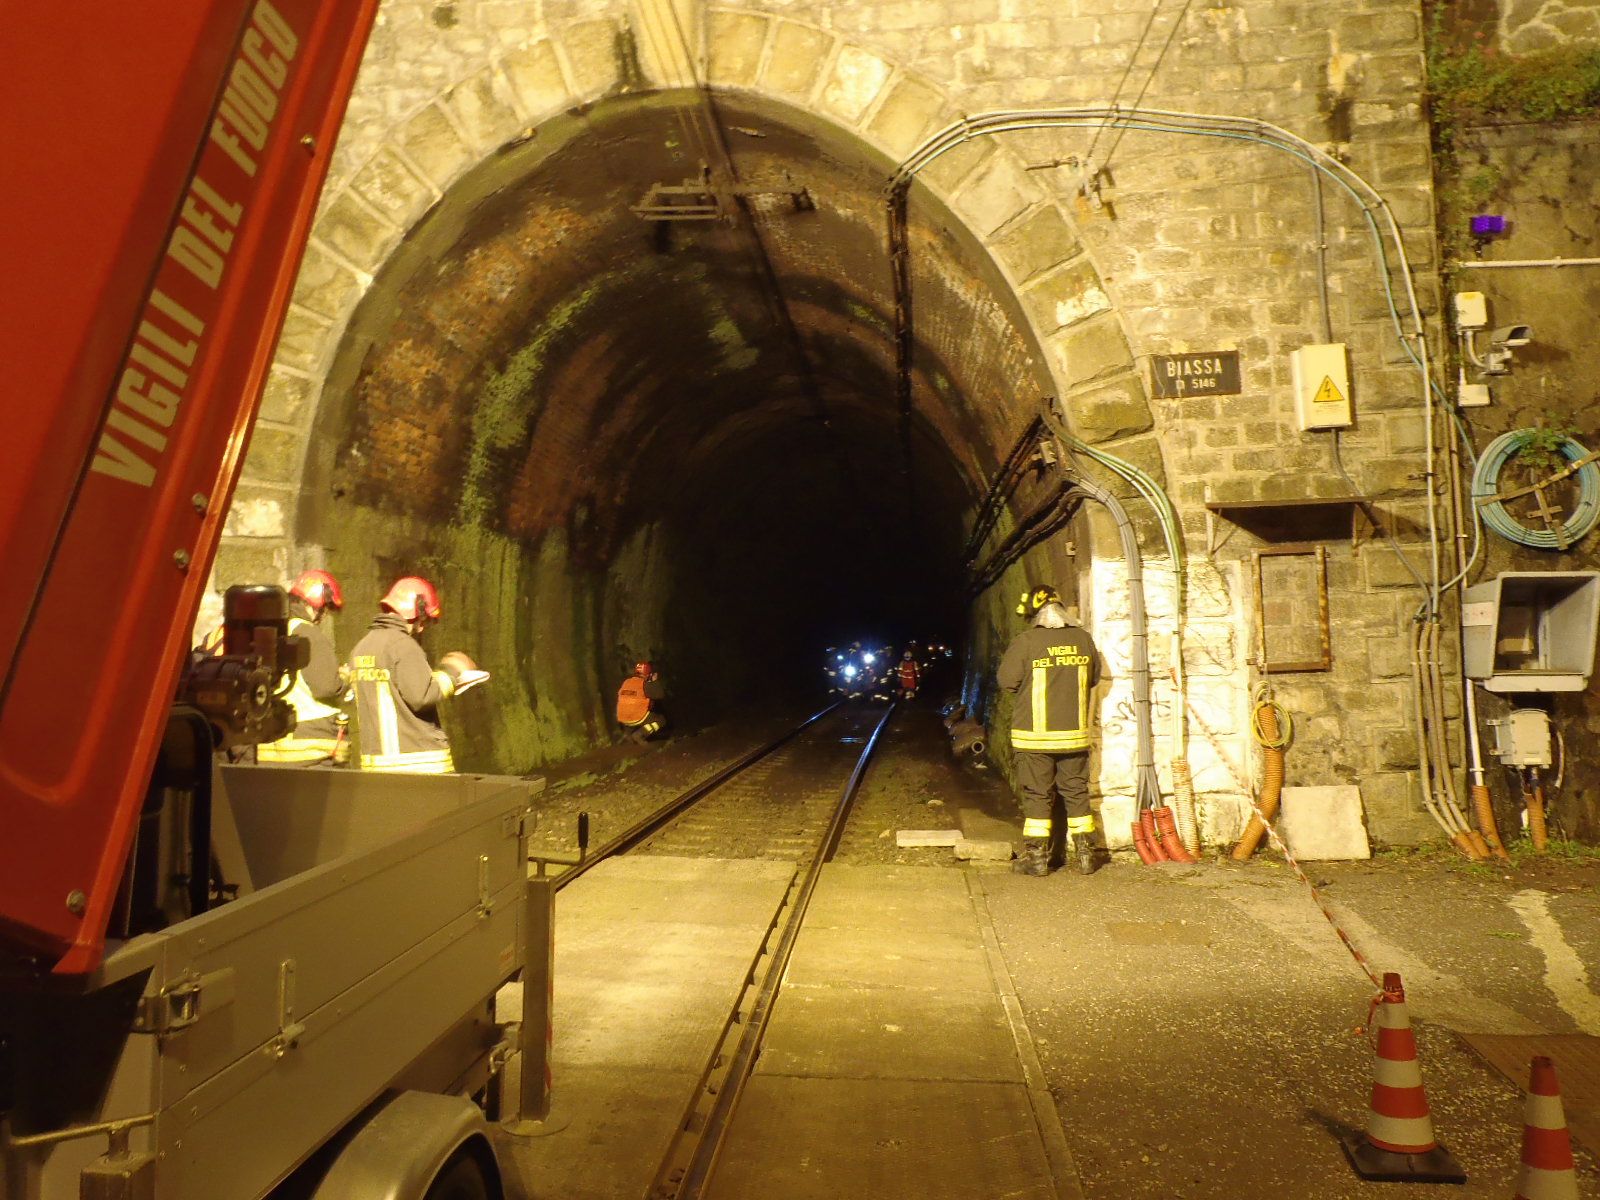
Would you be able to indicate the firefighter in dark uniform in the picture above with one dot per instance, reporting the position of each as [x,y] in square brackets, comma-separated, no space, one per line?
[398,693]
[639,704]
[1051,669]
[318,737]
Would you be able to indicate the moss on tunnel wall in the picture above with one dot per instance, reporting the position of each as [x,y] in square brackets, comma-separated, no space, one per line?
[524,614]
[634,624]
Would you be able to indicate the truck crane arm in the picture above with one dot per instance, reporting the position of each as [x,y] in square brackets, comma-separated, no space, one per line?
[164,163]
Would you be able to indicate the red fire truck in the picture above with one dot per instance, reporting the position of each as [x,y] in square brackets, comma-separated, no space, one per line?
[215,981]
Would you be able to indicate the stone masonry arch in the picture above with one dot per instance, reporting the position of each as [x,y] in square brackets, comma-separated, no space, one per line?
[387,180]
[385,177]
[1201,246]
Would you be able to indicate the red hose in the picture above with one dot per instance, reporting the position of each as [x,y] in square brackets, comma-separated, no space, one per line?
[1142,847]
[1152,835]
[1171,840]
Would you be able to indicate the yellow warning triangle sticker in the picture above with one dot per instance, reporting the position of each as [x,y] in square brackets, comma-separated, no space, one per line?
[1327,393]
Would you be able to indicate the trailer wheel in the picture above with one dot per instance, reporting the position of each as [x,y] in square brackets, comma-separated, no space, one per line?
[462,1179]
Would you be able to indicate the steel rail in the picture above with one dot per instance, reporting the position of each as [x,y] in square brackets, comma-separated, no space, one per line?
[726,1074]
[648,825]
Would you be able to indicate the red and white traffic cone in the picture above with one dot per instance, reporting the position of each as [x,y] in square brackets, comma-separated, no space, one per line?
[1547,1170]
[1398,1145]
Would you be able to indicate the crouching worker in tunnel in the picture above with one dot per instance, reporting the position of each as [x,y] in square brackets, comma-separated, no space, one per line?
[639,704]
[318,739]
[398,693]
[1051,669]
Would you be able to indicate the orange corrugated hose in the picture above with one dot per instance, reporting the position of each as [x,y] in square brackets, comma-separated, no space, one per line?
[1483,808]
[1265,720]
[1170,839]
[1533,794]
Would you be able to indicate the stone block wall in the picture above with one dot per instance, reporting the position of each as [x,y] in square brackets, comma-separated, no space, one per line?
[1116,244]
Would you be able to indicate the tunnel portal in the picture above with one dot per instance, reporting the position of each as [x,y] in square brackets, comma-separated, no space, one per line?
[631,389]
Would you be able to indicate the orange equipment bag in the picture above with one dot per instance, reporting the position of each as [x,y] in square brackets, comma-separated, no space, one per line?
[633,705]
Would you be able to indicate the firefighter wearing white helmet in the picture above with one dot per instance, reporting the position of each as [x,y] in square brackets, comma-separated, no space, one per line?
[398,692]
[318,736]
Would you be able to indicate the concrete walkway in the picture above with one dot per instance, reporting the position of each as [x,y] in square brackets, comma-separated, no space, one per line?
[897,1062]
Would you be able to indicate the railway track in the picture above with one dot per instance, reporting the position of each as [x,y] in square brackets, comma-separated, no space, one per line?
[788,801]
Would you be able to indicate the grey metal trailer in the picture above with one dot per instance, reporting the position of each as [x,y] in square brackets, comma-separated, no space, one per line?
[333,1026]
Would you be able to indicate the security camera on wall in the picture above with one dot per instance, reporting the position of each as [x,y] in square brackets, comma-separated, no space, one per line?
[1472,318]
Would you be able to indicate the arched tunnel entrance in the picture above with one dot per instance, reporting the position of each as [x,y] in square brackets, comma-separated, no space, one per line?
[619,405]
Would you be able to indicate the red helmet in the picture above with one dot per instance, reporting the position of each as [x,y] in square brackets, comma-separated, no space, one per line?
[319,590]
[413,597]
[642,668]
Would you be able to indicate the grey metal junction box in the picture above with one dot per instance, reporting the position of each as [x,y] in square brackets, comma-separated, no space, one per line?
[1531,631]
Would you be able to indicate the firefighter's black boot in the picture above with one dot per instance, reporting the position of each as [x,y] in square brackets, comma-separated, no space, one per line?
[1033,858]
[1087,854]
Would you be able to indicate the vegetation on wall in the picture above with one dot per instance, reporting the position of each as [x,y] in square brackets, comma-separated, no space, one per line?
[1470,81]
[1476,84]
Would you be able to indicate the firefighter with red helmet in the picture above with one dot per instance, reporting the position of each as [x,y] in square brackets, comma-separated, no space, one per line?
[639,703]
[318,738]
[398,691]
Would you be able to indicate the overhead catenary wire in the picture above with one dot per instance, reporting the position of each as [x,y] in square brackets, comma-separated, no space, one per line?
[1150,75]
[1122,82]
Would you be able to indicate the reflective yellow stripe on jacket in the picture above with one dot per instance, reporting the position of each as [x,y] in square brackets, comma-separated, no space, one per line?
[296,750]
[417,762]
[1041,736]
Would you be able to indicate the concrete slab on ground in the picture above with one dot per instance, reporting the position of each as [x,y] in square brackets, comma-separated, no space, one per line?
[606,1133]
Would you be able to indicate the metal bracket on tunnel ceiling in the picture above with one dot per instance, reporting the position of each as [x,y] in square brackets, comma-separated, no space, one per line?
[694,201]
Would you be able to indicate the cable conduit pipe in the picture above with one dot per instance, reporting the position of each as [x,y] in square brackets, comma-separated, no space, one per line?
[1533,797]
[1185,837]
[1370,202]
[1273,739]
[1004,484]
[1442,783]
[1479,265]
[1372,205]
[1147,791]
[1430,796]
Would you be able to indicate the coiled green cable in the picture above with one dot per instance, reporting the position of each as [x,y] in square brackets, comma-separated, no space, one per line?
[1486,480]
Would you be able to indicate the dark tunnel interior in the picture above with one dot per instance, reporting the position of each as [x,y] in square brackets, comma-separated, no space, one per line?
[694,427]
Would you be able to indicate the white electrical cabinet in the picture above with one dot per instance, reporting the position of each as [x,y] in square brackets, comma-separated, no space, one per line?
[1321,386]
[1531,631]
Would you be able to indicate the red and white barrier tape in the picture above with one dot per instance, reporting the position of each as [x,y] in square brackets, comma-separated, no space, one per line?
[1278,843]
